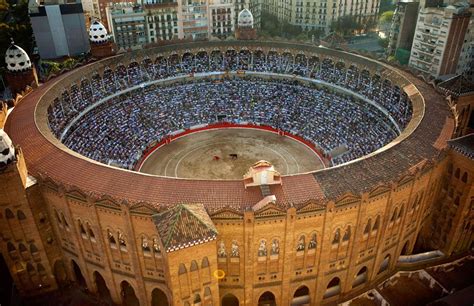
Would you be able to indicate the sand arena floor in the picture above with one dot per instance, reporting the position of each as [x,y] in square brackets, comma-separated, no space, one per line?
[192,156]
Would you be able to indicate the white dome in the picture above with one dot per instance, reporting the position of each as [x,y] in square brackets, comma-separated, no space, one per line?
[17,59]
[98,32]
[245,19]
[7,151]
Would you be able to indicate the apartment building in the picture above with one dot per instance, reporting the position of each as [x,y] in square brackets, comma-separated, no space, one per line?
[403,29]
[162,21]
[439,38]
[128,25]
[319,14]
[222,21]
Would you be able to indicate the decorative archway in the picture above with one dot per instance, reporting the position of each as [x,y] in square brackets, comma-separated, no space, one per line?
[333,288]
[78,276]
[385,263]
[361,277]
[60,273]
[102,288]
[128,295]
[301,297]
[267,299]
[230,300]
[159,298]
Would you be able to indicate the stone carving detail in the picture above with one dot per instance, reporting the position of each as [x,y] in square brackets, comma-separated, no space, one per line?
[312,243]
[156,246]
[262,249]
[337,236]
[121,239]
[235,249]
[145,244]
[301,244]
[221,251]
[275,247]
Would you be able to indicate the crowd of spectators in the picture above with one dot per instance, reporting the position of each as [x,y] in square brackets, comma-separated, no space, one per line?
[118,130]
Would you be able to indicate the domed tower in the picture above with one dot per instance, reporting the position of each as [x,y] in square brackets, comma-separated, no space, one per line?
[20,71]
[101,46]
[245,27]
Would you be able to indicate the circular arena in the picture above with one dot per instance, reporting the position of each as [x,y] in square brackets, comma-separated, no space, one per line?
[297,174]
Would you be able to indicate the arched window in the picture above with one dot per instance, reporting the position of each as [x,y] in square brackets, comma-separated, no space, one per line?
[376,224]
[91,232]
[207,292]
[20,215]
[81,228]
[204,263]
[337,237]
[30,269]
[64,220]
[22,248]
[394,215]
[347,234]
[368,226]
[145,247]
[40,268]
[400,213]
[300,246]
[182,269]
[464,177]
[194,266]
[9,214]
[111,237]
[123,244]
[457,173]
[197,299]
[10,247]
[456,200]
[33,248]
[313,243]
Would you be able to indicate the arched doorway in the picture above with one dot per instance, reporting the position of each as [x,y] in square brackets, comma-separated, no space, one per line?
[301,297]
[80,280]
[159,298]
[405,248]
[197,300]
[102,288]
[360,278]
[333,288]
[60,273]
[267,299]
[128,295]
[230,300]
[385,263]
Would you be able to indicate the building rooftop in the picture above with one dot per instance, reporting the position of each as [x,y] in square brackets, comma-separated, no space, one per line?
[463,145]
[457,86]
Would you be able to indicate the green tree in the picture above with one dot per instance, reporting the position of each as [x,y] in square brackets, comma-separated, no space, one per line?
[345,25]
[385,21]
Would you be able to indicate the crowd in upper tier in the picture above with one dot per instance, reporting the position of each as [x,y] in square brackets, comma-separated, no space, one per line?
[120,129]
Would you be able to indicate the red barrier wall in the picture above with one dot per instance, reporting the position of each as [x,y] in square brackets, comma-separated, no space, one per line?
[223,125]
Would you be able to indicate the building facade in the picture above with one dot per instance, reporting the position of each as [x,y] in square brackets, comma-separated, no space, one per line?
[319,14]
[277,246]
[439,38]
[402,29]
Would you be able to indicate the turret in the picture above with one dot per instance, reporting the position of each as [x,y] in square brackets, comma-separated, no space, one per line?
[20,71]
